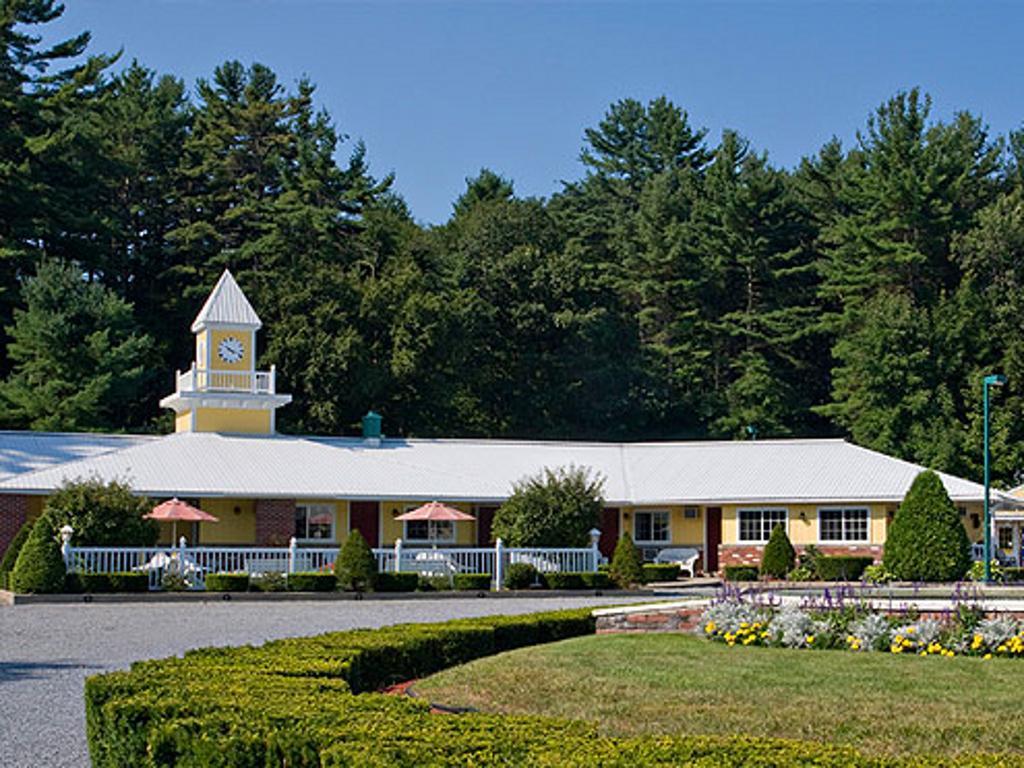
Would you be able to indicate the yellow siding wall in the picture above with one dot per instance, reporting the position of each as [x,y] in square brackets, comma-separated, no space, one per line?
[217,335]
[391,529]
[233,420]
[681,530]
[233,527]
[183,422]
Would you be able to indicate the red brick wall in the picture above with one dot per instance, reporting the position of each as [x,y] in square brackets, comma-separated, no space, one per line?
[13,514]
[275,522]
[749,554]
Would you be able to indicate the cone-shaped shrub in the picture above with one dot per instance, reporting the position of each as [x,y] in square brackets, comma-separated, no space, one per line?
[39,567]
[627,568]
[779,556]
[927,540]
[11,555]
[356,567]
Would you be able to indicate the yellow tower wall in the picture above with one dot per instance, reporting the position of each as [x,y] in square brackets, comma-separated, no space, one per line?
[257,422]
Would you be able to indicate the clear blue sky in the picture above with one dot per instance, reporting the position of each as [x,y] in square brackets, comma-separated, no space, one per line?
[438,90]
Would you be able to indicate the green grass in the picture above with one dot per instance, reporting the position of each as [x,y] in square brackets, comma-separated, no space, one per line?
[677,684]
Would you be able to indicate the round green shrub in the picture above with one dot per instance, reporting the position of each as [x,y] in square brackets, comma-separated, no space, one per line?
[556,508]
[102,514]
[433,584]
[927,540]
[39,567]
[356,567]
[521,576]
[11,554]
[627,568]
[227,582]
[843,567]
[398,582]
[779,556]
[473,582]
[312,581]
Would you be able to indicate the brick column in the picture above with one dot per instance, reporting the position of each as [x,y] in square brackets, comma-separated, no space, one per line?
[275,522]
[13,515]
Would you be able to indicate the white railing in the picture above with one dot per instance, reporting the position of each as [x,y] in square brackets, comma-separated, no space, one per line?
[207,380]
[193,564]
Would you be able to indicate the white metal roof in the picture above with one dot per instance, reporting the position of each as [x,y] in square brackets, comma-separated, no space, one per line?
[22,452]
[699,472]
[226,304]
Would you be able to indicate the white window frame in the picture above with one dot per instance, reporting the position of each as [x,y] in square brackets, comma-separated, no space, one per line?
[844,540]
[668,526]
[307,506]
[739,526]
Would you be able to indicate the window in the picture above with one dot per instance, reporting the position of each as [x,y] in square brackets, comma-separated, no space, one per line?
[650,526]
[314,522]
[1005,538]
[843,524]
[757,524]
[429,531]
[691,513]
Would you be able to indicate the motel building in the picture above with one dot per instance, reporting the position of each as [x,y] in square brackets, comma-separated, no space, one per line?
[720,497]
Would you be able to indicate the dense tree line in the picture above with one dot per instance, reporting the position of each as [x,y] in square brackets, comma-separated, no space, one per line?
[683,287]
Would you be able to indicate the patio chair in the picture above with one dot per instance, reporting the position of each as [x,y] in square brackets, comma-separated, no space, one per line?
[686,557]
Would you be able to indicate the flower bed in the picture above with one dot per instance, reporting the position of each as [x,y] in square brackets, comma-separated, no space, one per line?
[737,620]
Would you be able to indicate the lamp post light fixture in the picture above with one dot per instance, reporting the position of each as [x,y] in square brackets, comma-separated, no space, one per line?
[992,380]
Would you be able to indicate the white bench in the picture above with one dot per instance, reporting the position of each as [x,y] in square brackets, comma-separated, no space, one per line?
[686,557]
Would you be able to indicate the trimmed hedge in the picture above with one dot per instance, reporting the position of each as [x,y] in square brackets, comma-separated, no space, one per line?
[564,580]
[740,573]
[398,582]
[306,703]
[312,581]
[433,584]
[98,583]
[39,566]
[660,572]
[842,567]
[581,580]
[1013,574]
[476,582]
[227,582]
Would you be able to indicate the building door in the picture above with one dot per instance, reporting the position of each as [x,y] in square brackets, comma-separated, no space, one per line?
[712,538]
[484,521]
[609,531]
[364,516]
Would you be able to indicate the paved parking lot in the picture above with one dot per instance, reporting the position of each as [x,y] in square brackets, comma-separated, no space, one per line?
[47,651]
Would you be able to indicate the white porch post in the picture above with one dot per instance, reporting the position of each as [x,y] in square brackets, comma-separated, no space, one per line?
[595,553]
[1016,543]
[65,544]
[398,555]
[499,553]
[293,553]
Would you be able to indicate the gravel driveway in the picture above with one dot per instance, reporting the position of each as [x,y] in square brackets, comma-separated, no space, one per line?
[47,651]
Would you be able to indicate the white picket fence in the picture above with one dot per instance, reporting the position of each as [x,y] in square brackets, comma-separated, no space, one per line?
[195,563]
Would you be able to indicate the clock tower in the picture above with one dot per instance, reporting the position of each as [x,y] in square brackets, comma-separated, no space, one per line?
[222,391]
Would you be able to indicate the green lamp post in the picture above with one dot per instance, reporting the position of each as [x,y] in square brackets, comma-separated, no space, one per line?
[992,380]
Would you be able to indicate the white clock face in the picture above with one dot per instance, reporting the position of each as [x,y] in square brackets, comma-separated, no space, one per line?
[230,350]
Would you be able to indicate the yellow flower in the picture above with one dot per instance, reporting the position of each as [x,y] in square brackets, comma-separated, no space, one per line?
[910,630]
[987,656]
[709,627]
[1001,649]
[923,653]
[809,639]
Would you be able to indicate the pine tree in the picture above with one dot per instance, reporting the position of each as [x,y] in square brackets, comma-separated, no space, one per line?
[926,540]
[40,567]
[778,557]
[356,567]
[79,362]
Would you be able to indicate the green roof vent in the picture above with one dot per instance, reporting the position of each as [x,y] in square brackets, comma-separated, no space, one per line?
[371,425]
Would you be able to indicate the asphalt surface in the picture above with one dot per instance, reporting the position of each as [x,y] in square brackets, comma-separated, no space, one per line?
[47,651]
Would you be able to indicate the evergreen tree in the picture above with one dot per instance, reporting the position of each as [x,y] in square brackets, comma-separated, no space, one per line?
[778,557]
[356,567]
[927,540]
[40,567]
[627,568]
[79,362]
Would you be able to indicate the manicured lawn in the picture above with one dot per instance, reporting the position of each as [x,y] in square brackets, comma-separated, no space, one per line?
[676,684]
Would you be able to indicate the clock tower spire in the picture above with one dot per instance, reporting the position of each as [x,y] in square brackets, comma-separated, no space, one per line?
[222,391]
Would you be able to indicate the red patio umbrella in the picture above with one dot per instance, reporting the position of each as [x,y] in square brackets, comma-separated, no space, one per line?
[174,510]
[437,511]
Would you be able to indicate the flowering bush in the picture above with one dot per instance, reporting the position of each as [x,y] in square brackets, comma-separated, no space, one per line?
[740,619]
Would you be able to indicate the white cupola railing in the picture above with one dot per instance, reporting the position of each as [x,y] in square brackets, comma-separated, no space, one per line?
[197,379]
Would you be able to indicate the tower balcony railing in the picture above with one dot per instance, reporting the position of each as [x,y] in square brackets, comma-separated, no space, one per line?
[197,379]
